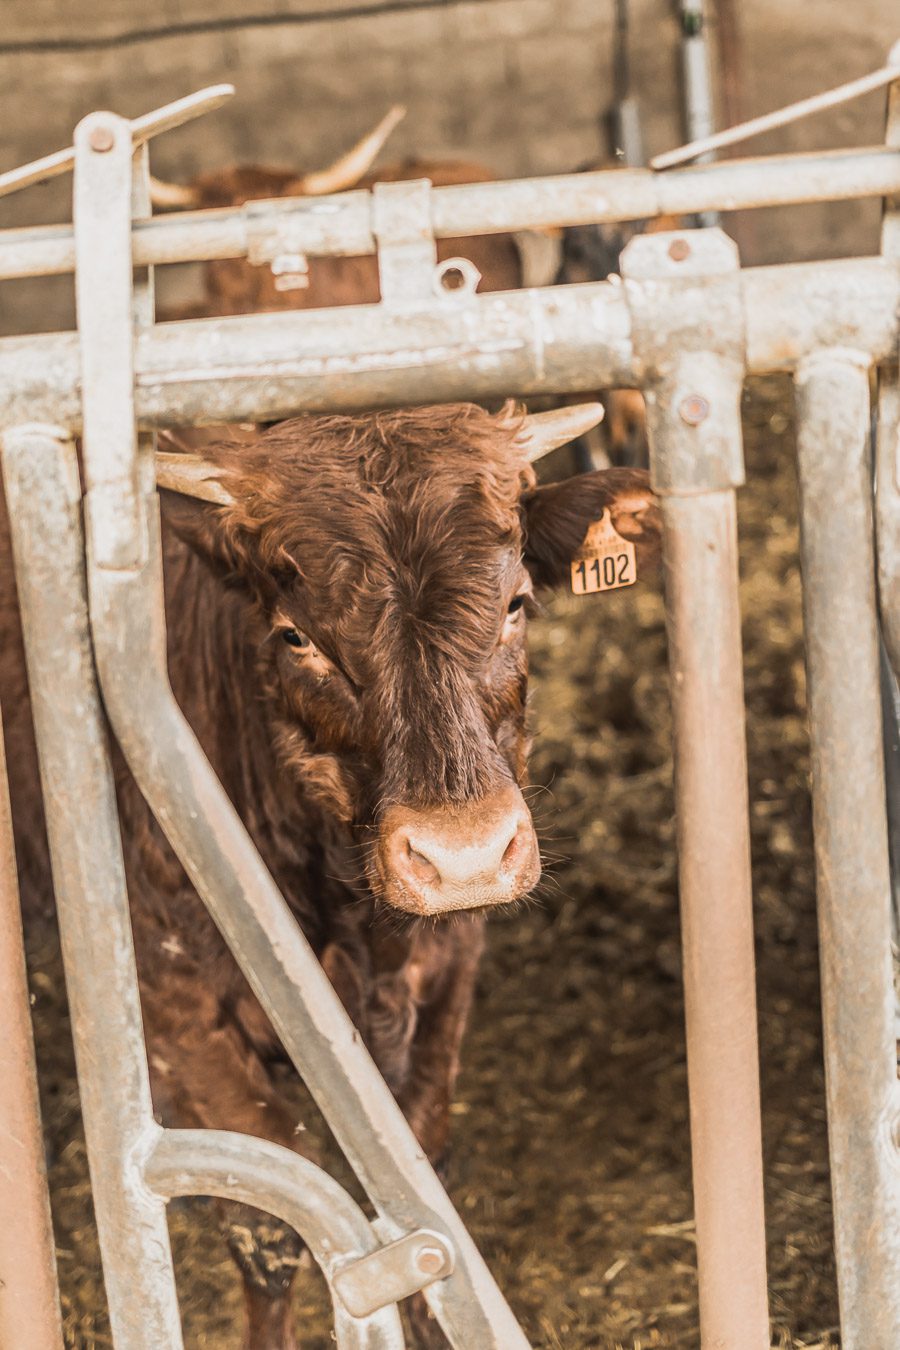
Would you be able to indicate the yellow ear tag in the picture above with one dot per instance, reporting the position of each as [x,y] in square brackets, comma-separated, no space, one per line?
[605,561]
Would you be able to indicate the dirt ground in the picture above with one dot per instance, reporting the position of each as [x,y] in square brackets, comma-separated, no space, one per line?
[571,1155]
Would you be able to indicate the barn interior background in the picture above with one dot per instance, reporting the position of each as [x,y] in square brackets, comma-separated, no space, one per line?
[572,1149]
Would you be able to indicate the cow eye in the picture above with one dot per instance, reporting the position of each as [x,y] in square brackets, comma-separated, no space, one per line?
[515,604]
[294,638]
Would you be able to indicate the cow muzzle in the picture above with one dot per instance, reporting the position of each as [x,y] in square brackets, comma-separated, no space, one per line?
[435,860]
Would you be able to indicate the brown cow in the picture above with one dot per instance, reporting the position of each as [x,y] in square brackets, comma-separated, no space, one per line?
[347,638]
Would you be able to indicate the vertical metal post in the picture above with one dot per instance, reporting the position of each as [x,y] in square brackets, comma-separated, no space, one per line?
[29,1298]
[853,874]
[89,882]
[693,386]
[699,119]
[887,525]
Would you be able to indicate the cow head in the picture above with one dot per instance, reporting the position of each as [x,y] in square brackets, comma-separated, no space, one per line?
[387,563]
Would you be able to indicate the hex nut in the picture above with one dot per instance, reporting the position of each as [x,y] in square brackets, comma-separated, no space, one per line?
[694,409]
[430,1260]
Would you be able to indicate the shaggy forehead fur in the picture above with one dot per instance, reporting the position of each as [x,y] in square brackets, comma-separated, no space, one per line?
[413,508]
[394,541]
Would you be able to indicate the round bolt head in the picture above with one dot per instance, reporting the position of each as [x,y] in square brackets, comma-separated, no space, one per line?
[694,410]
[430,1260]
[679,249]
[101,139]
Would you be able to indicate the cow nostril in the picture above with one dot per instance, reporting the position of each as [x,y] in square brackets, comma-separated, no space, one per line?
[514,848]
[421,867]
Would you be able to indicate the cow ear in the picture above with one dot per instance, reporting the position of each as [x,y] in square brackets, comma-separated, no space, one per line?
[556,519]
[197,504]
[209,529]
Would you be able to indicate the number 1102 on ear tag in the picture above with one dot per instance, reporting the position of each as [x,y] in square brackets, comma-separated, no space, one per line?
[605,561]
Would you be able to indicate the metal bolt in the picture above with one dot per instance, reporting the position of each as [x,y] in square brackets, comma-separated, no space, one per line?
[679,249]
[430,1260]
[101,139]
[694,410]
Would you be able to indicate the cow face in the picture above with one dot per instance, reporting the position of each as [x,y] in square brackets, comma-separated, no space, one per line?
[388,564]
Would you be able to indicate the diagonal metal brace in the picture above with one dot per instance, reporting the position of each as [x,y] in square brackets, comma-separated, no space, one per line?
[143,128]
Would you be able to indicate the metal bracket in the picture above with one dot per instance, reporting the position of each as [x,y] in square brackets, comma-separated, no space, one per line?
[407,253]
[394,1272]
[684,294]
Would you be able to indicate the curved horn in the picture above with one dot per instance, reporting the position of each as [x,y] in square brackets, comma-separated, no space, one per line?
[543,432]
[348,170]
[192,476]
[172,195]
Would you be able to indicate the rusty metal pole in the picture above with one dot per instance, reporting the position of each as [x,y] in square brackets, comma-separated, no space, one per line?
[29,1298]
[693,388]
[853,873]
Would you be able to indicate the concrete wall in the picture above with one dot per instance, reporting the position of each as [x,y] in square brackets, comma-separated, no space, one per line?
[519,84]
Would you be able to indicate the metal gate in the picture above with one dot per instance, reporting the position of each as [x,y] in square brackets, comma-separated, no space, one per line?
[686,324]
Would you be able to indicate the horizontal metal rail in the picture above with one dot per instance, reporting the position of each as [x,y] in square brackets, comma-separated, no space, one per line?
[554,340]
[344,224]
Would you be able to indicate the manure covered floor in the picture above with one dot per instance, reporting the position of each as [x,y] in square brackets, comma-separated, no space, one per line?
[571,1148]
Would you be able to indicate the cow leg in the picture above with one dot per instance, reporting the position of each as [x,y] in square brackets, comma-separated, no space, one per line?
[427,1093]
[441,976]
[206,1073]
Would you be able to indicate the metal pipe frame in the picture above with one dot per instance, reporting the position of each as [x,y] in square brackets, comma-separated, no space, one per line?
[652,330]
[853,872]
[344,224]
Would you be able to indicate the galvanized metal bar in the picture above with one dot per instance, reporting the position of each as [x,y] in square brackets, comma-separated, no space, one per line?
[853,875]
[693,385]
[103,299]
[696,81]
[29,1296]
[143,128]
[782,117]
[556,340]
[887,533]
[343,224]
[887,476]
[260,1173]
[40,472]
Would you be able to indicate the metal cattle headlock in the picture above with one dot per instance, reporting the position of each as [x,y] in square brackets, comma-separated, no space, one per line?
[684,323]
